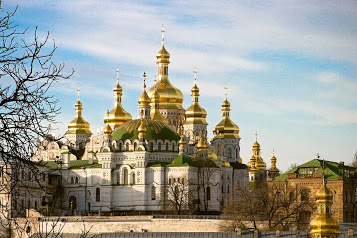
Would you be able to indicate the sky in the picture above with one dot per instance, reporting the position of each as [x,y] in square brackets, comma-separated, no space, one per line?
[290,66]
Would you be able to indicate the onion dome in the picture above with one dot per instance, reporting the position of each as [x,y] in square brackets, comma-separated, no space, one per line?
[202,145]
[226,164]
[142,128]
[226,128]
[195,114]
[273,169]
[78,125]
[144,99]
[170,96]
[155,130]
[256,158]
[117,115]
[155,112]
[107,129]
[212,156]
[324,224]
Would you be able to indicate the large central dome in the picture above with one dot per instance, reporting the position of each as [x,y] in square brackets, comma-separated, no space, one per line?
[154,130]
[170,96]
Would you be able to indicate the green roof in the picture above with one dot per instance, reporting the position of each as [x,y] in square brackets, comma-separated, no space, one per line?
[74,164]
[154,130]
[157,164]
[180,161]
[332,170]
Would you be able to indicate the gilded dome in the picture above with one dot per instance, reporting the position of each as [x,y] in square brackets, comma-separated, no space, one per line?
[226,128]
[154,130]
[324,224]
[117,115]
[78,125]
[256,159]
[144,99]
[195,114]
[170,96]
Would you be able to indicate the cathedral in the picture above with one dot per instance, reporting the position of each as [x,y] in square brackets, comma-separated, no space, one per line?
[131,166]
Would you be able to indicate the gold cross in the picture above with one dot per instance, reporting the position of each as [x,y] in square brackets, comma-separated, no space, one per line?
[256,136]
[144,79]
[195,73]
[118,74]
[162,34]
[78,91]
[225,89]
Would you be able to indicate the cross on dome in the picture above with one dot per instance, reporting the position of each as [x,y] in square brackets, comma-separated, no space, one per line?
[118,74]
[162,33]
[273,151]
[144,75]
[225,90]
[256,136]
[195,74]
[78,92]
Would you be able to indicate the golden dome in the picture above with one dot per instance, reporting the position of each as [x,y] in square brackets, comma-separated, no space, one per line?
[170,96]
[155,112]
[226,164]
[226,128]
[142,128]
[117,115]
[324,224]
[212,156]
[195,114]
[107,130]
[144,99]
[202,145]
[256,158]
[78,125]
[182,142]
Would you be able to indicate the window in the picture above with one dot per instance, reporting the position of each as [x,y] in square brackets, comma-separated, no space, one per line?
[118,178]
[77,180]
[97,195]
[135,146]
[36,205]
[151,146]
[167,146]
[305,195]
[72,203]
[125,174]
[170,181]
[229,153]
[127,146]
[153,193]
[72,180]
[208,193]
[159,146]
[132,181]
[228,188]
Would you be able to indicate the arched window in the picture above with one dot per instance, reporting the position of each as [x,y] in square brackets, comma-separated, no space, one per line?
[229,153]
[118,178]
[36,204]
[305,195]
[125,174]
[153,193]
[127,146]
[167,146]
[72,203]
[151,146]
[208,193]
[97,194]
[132,179]
[228,188]
[77,180]
[72,180]
[135,145]
[120,147]
[159,146]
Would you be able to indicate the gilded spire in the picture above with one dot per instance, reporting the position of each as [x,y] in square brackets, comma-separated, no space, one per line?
[195,114]
[117,115]
[226,128]
[273,171]
[144,99]
[107,130]
[256,160]
[182,141]
[78,125]
[324,225]
[155,112]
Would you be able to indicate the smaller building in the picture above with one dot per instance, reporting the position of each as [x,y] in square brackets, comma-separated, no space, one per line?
[340,179]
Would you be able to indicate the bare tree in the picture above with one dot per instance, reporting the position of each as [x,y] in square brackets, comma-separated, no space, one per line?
[26,107]
[176,195]
[275,203]
[354,161]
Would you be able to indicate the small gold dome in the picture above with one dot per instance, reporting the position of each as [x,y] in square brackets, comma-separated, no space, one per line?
[213,156]
[182,141]
[324,224]
[78,125]
[155,112]
[107,130]
[202,145]
[142,128]
[195,114]
[144,99]
[117,115]
[256,159]
[226,128]
[226,164]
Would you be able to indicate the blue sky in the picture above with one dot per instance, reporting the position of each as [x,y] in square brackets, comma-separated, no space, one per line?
[290,66]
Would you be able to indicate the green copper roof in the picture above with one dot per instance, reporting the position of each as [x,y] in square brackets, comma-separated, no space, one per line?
[73,164]
[154,130]
[181,160]
[333,170]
